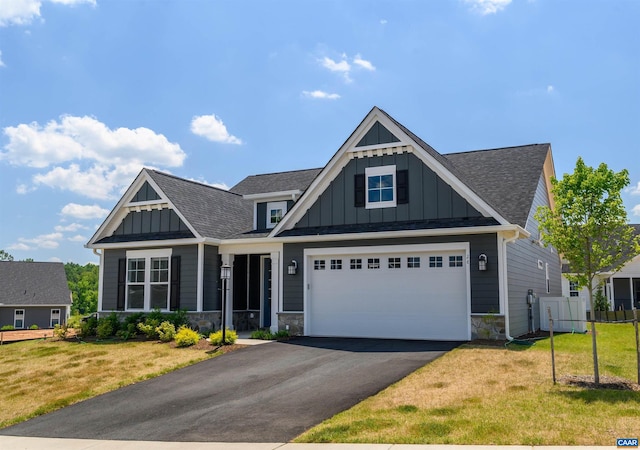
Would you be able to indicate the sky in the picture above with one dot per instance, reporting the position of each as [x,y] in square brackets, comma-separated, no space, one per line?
[92,91]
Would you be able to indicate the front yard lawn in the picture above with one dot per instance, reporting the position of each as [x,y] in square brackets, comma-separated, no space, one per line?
[502,396]
[44,375]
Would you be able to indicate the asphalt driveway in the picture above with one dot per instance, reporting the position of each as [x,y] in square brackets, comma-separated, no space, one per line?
[264,393]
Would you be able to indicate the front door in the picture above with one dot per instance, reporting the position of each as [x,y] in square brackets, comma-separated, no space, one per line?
[265,314]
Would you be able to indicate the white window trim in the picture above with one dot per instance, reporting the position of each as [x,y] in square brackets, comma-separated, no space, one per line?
[15,318]
[378,171]
[147,255]
[55,316]
[272,206]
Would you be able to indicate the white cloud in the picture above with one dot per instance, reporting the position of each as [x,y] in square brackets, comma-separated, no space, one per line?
[70,227]
[19,246]
[54,259]
[485,7]
[222,186]
[550,89]
[320,95]
[78,238]
[212,128]
[84,211]
[2,64]
[23,12]
[383,21]
[634,190]
[636,210]
[88,157]
[47,241]
[363,63]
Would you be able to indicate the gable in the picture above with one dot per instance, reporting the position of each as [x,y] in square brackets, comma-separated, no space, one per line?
[376,135]
[146,193]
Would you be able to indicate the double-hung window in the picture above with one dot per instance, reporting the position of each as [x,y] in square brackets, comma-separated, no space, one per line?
[574,290]
[18,318]
[380,186]
[55,317]
[148,279]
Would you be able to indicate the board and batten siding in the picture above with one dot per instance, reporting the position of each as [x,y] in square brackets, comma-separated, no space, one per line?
[211,287]
[524,272]
[484,285]
[429,197]
[188,277]
[154,221]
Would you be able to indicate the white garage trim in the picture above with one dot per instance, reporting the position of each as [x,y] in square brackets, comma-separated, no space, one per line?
[309,254]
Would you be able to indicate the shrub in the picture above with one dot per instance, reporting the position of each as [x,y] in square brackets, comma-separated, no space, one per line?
[60,331]
[7,328]
[74,322]
[133,319]
[281,335]
[127,331]
[267,335]
[149,330]
[178,318]
[230,337]
[88,326]
[186,337]
[34,327]
[600,302]
[166,331]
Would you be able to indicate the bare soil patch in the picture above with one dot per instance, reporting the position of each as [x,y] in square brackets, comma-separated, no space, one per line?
[606,382]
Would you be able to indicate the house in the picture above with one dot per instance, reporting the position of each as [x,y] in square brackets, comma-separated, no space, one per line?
[33,293]
[389,239]
[621,288]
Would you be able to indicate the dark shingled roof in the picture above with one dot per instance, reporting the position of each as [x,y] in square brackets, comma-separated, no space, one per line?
[33,283]
[506,178]
[213,212]
[276,182]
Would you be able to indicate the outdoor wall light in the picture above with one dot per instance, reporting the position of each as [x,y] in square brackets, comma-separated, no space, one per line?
[225,271]
[292,268]
[482,262]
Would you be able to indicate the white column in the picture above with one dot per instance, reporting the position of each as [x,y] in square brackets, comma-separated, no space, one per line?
[200,278]
[276,294]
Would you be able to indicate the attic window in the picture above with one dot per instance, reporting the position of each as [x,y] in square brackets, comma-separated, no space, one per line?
[381,187]
[275,212]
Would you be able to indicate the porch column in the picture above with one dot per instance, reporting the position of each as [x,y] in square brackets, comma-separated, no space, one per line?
[200,278]
[275,290]
[228,259]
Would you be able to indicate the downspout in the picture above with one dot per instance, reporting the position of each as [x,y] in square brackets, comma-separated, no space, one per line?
[505,287]
[100,274]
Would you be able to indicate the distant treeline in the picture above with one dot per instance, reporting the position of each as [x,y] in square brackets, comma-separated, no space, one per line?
[83,284]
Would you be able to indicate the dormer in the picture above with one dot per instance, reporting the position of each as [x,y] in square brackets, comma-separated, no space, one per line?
[270,207]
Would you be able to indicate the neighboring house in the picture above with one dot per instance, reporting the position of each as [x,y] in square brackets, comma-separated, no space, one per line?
[389,239]
[622,288]
[33,293]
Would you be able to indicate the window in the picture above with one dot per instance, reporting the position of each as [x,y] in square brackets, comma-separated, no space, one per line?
[355,264]
[455,261]
[275,212]
[148,280]
[394,263]
[55,317]
[413,262]
[336,264]
[435,261]
[18,318]
[373,263]
[318,264]
[574,291]
[380,187]
[546,276]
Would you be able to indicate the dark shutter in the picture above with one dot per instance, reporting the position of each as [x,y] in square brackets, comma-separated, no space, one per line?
[359,190]
[122,283]
[402,186]
[174,296]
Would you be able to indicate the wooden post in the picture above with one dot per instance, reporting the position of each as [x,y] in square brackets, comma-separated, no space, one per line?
[553,355]
[635,325]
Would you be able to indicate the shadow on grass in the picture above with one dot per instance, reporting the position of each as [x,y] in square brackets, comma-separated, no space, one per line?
[589,396]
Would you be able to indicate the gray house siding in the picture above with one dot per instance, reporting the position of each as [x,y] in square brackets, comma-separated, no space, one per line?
[211,288]
[154,221]
[188,277]
[523,272]
[429,197]
[484,285]
[33,315]
[261,213]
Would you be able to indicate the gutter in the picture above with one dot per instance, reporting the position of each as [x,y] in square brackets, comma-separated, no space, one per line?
[505,290]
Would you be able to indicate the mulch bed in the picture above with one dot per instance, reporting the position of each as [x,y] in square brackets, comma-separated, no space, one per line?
[606,382]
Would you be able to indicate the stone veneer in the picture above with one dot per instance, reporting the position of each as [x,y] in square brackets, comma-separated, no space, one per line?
[292,322]
[488,326]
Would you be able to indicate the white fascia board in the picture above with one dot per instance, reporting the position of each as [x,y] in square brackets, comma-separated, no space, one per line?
[369,250]
[281,195]
[252,247]
[148,244]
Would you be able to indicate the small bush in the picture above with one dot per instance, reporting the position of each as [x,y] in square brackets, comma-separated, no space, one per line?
[166,331]
[74,322]
[267,335]
[127,331]
[104,329]
[7,328]
[281,335]
[34,327]
[186,337]
[133,319]
[149,330]
[88,326]
[178,318]
[60,331]
[230,337]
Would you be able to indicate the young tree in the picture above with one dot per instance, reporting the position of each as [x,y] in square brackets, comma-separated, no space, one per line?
[4,256]
[588,226]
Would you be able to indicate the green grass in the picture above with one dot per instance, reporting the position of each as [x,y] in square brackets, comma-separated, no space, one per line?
[503,396]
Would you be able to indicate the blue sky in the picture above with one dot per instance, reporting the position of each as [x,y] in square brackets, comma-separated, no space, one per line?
[91,91]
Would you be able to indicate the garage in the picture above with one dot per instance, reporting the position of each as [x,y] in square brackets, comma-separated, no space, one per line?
[401,292]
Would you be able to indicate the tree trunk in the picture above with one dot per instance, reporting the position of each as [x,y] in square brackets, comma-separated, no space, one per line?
[596,373]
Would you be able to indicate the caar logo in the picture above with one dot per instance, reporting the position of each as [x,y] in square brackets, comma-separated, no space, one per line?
[627,442]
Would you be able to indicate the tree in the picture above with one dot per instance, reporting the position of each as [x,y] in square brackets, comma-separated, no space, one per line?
[83,284]
[588,226]
[4,256]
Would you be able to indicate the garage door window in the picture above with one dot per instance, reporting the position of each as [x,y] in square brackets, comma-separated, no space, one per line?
[455,261]
[373,263]
[435,261]
[355,264]
[336,264]
[413,262]
[319,264]
[394,263]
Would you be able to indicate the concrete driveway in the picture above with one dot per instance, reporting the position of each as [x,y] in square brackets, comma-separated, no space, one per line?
[265,393]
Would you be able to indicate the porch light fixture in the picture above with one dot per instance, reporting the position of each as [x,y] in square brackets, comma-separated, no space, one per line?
[292,268]
[482,262]
[225,275]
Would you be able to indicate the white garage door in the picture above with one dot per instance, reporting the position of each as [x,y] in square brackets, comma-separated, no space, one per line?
[387,293]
